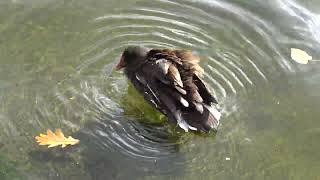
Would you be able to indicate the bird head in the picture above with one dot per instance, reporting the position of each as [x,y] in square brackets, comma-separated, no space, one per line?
[132,57]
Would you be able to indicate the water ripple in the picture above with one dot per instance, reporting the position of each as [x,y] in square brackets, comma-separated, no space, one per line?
[239,53]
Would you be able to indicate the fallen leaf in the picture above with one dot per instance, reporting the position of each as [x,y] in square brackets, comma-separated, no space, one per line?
[300,56]
[56,138]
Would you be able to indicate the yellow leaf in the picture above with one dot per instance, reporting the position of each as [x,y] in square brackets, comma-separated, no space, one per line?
[56,138]
[300,56]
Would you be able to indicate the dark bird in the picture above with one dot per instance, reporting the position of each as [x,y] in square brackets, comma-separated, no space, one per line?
[171,81]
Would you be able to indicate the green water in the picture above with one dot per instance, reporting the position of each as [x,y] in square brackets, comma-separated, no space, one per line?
[56,71]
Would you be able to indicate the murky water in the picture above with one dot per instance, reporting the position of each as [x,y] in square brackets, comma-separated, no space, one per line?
[57,63]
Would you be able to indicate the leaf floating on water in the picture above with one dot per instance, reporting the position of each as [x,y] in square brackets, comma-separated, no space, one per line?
[56,138]
[300,56]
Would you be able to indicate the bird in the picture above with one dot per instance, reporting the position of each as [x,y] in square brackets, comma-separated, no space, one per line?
[171,81]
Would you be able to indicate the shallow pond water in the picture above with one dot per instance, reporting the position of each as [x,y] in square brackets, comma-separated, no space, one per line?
[57,63]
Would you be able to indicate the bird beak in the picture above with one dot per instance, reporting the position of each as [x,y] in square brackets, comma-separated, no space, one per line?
[121,64]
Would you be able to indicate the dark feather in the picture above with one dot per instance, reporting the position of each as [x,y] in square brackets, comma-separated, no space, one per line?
[204,91]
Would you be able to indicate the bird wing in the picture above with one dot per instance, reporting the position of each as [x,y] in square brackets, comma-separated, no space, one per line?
[179,71]
[204,90]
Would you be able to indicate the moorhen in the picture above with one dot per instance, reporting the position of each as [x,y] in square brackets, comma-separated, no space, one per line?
[171,81]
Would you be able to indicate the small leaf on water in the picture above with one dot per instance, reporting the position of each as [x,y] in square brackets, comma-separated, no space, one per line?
[300,56]
[52,139]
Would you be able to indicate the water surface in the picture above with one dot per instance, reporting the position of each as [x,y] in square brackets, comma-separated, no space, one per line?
[57,63]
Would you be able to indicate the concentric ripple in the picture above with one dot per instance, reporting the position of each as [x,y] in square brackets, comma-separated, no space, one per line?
[239,53]
[218,31]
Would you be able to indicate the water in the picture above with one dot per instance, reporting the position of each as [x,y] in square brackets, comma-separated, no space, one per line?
[57,63]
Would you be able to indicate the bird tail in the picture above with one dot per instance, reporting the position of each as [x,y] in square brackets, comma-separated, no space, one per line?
[205,121]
